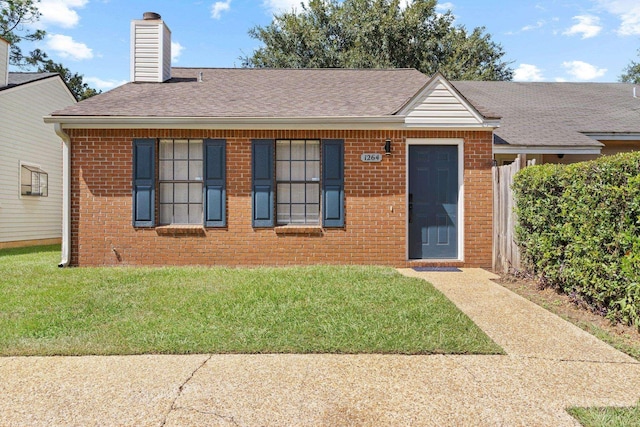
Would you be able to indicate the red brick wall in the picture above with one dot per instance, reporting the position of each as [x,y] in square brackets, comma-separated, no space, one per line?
[375,205]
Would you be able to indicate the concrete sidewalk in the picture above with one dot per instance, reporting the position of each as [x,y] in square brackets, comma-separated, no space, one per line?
[550,365]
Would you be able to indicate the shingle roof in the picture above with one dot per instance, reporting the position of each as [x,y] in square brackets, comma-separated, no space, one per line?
[555,114]
[532,114]
[265,93]
[17,79]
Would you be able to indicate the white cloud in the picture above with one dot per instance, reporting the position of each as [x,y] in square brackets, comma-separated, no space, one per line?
[218,7]
[176,51]
[444,7]
[629,13]
[588,26]
[98,83]
[535,26]
[275,6]
[527,73]
[66,47]
[583,71]
[60,12]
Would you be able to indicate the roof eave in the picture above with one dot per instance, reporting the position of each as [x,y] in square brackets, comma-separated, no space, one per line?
[394,122]
[521,149]
[484,125]
[127,122]
[614,136]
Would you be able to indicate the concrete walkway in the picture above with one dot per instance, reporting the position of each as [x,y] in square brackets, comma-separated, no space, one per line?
[550,365]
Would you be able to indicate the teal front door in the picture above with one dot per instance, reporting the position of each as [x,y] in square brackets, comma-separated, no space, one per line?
[433,202]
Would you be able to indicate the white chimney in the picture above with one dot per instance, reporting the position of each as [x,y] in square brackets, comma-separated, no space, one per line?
[4,62]
[150,49]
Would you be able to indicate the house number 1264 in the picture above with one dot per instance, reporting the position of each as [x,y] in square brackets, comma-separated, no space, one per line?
[371,157]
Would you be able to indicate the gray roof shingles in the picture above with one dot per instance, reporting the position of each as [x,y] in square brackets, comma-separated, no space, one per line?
[259,93]
[17,79]
[531,114]
[555,114]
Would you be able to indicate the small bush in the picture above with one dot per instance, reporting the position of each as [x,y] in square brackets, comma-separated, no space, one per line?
[579,230]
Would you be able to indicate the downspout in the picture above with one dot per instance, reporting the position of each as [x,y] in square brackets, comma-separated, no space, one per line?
[66,195]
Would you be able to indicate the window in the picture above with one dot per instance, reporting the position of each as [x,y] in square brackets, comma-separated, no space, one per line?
[33,181]
[181,167]
[191,180]
[298,182]
[306,187]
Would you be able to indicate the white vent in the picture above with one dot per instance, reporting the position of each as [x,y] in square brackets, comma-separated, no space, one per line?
[4,62]
[150,49]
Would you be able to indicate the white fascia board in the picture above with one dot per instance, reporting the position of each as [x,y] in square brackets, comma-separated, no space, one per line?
[306,123]
[486,125]
[346,123]
[511,149]
[614,136]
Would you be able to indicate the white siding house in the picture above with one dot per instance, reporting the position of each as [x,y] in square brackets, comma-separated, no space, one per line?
[30,202]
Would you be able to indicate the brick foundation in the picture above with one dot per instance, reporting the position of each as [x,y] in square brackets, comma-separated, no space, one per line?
[375,205]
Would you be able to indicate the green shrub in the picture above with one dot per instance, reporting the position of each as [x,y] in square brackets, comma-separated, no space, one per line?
[579,231]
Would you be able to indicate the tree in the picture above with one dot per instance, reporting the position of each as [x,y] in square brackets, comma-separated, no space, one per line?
[15,17]
[78,87]
[377,34]
[632,72]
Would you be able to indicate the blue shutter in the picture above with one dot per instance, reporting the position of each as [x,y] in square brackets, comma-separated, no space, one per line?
[144,182]
[333,183]
[215,183]
[262,182]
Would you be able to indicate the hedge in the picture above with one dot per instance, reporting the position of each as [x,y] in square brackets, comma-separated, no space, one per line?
[579,231]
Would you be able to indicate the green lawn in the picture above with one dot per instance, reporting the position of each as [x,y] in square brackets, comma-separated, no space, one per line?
[607,417]
[45,310]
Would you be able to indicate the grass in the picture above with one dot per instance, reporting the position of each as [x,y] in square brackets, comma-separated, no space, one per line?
[45,310]
[607,417]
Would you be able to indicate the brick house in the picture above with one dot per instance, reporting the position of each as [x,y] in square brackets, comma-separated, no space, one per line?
[247,167]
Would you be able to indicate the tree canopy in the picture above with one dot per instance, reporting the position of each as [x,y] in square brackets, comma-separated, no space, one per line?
[631,74]
[74,81]
[378,34]
[16,18]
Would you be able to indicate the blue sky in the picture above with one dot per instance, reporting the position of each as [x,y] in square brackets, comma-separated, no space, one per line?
[546,40]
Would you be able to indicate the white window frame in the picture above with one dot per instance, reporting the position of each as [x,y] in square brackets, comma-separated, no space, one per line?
[27,165]
[313,181]
[198,179]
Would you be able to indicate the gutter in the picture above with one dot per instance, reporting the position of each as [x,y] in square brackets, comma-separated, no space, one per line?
[66,195]
[128,122]
[394,122]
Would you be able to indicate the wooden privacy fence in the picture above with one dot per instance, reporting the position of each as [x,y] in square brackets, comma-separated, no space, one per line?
[506,255]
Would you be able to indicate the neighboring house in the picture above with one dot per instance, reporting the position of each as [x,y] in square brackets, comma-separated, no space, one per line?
[558,122]
[31,156]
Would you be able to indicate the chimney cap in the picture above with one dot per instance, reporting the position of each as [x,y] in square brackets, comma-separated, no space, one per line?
[151,16]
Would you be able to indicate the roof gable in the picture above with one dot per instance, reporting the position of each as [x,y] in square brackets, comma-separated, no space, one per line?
[439,104]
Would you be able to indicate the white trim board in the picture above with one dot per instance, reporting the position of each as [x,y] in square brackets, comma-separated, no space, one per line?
[461,219]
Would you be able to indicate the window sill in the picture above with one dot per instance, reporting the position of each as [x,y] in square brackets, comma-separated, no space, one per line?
[299,229]
[180,230]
